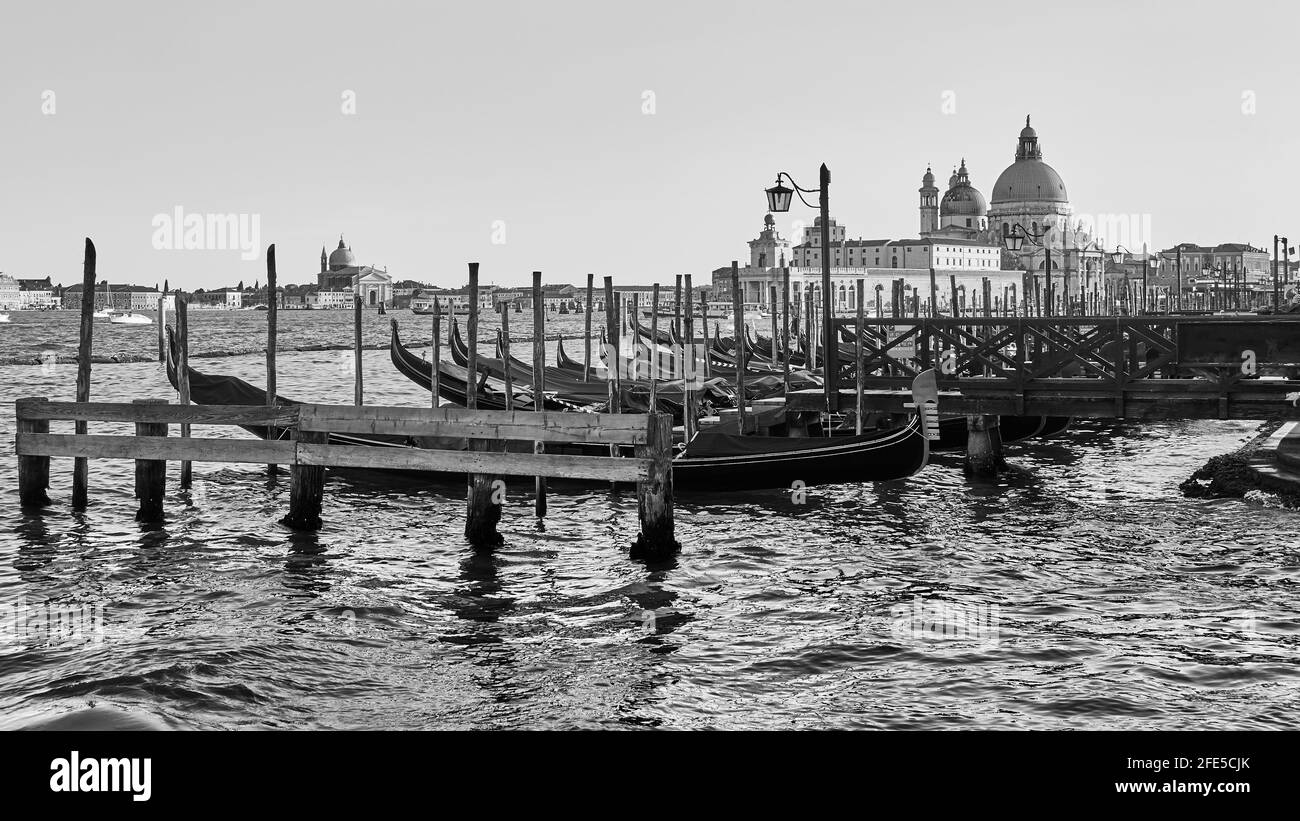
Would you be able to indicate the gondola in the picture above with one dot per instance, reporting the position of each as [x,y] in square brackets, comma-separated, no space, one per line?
[719,461]
[725,461]
[452,379]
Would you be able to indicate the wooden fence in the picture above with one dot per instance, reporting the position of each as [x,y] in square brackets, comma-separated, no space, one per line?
[369,437]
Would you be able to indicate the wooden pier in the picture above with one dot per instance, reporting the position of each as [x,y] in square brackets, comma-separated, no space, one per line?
[1151,367]
[307,450]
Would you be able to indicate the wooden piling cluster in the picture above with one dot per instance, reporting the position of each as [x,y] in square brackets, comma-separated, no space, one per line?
[310,451]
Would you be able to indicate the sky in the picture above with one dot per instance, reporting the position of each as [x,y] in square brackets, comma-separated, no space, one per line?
[632,140]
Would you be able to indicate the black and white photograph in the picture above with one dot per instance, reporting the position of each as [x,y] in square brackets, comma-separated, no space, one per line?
[753,370]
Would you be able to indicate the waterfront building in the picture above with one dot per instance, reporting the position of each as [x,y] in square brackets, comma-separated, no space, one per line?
[340,272]
[10,293]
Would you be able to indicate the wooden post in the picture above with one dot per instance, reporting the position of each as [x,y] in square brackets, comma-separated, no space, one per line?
[655,495]
[271,319]
[183,377]
[357,392]
[306,487]
[738,310]
[80,466]
[688,367]
[586,336]
[654,351]
[539,384]
[508,373]
[435,357]
[860,375]
[785,301]
[482,514]
[704,331]
[634,355]
[983,445]
[611,347]
[150,474]
[33,471]
[810,333]
[677,307]
[934,290]
[162,330]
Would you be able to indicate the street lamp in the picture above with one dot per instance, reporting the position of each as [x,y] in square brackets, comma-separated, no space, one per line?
[1014,240]
[778,200]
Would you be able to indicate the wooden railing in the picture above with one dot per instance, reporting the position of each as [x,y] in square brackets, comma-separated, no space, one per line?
[1166,367]
[309,450]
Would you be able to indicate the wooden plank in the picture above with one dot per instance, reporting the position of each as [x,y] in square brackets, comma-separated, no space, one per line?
[170,414]
[548,426]
[95,446]
[596,468]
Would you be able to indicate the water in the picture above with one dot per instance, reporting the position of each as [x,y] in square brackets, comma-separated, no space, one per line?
[1088,591]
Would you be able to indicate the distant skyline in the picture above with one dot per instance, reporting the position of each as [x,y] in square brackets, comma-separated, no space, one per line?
[582,137]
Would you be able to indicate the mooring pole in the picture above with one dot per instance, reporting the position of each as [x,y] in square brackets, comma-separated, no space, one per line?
[634,355]
[688,366]
[785,333]
[611,346]
[859,329]
[586,336]
[271,308]
[508,372]
[33,471]
[655,494]
[357,392]
[738,310]
[704,330]
[183,378]
[654,351]
[983,445]
[435,357]
[677,307]
[86,331]
[539,384]
[482,514]
[150,474]
[162,330]
[306,485]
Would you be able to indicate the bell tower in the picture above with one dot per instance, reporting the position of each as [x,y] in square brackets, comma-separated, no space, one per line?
[929,203]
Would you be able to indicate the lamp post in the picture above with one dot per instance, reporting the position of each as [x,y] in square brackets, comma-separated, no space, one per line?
[778,200]
[1015,240]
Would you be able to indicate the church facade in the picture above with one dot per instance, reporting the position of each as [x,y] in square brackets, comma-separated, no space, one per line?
[340,273]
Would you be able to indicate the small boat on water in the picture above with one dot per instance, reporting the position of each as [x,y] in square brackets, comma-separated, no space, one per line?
[130,318]
[4,317]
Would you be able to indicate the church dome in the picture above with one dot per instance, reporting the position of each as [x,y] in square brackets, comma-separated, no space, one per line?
[928,179]
[1029,178]
[963,201]
[769,221]
[342,257]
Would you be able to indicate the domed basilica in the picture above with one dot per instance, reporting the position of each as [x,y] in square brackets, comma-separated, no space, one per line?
[1029,194]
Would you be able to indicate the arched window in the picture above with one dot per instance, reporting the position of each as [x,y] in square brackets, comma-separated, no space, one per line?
[1006,229]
